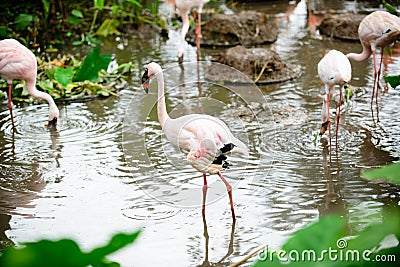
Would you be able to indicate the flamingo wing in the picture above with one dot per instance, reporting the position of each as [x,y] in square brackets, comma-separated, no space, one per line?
[16,61]
[206,139]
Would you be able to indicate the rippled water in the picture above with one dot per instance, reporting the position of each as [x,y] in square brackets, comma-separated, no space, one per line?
[109,168]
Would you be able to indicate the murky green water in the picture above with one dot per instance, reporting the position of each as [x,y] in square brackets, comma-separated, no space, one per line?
[108,168]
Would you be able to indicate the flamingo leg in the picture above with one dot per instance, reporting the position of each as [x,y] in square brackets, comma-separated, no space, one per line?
[338,117]
[198,32]
[198,35]
[9,104]
[329,120]
[378,75]
[229,189]
[205,187]
[375,75]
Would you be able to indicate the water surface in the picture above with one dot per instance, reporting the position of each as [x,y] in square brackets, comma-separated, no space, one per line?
[108,167]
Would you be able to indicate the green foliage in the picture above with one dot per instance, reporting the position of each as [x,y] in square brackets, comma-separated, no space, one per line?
[391,9]
[390,172]
[91,66]
[393,80]
[22,21]
[108,27]
[46,7]
[135,3]
[64,253]
[324,243]
[98,4]
[75,22]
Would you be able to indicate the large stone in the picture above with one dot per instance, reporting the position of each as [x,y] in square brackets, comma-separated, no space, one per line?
[260,65]
[342,26]
[247,28]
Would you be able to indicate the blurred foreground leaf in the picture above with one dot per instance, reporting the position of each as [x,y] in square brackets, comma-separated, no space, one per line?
[63,253]
[390,172]
[308,242]
[324,243]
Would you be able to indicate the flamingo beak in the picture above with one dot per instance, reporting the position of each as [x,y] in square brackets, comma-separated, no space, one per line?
[145,81]
[52,124]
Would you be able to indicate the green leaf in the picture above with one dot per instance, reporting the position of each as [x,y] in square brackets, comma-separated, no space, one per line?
[115,9]
[73,20]
[99,4]
[393,80]
[3,31]
[77,13]
[22,21]
[117,242]
[62,253]
[91,66]
[390,172]
[391,9]
[46,6]
[64,76]
[135,3]
[46,85]
[108,27]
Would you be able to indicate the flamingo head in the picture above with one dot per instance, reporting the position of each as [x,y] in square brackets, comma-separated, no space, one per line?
[54,113]
[151,70]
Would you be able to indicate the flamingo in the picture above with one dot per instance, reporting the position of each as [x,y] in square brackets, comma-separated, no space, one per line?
[333,69]
[184,6]
[206,139]
[377,30]
[18,62]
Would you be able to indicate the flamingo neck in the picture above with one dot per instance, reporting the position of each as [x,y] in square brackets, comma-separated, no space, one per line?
[161,106]
[365,54]
[53,110]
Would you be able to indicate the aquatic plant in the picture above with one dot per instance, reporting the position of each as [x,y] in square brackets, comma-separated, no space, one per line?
[70,79]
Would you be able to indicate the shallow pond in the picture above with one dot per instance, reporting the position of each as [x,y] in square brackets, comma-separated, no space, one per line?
[108,167]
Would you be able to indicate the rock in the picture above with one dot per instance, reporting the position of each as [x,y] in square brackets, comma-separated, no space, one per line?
[252,62]
[342,26]
[247,28]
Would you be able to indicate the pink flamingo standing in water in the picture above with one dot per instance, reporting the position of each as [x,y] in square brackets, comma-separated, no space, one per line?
[184,6]
[18,62]
[206,139]
[377,30]
[333,69]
